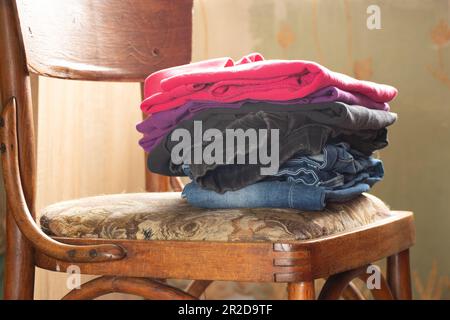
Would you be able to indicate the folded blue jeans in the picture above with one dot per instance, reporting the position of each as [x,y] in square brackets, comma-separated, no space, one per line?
[271,194]
[303,182]
[337,166]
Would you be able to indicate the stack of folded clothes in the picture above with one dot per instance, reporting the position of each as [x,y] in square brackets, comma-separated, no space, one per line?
[327,126]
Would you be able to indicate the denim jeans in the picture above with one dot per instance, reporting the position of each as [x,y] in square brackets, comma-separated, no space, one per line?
[298,132]
[303,182]
[336,167]
[271,194]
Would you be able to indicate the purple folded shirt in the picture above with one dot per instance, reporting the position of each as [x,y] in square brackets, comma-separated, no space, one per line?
[159,124]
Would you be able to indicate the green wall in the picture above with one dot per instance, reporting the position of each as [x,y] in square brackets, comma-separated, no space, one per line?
[411,51]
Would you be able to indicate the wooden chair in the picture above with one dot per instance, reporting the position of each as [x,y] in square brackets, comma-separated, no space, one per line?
[113,41]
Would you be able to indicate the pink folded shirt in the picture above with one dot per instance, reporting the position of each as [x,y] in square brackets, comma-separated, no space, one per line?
[252,77]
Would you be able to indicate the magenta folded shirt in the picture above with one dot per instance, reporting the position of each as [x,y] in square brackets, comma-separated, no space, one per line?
[159,124]
[252,77]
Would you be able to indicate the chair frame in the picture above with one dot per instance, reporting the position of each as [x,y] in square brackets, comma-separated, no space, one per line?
[134,266]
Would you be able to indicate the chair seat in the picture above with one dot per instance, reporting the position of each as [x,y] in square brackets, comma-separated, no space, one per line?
[166,216]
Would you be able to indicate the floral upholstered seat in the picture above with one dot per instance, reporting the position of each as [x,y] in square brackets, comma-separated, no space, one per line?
[165,216]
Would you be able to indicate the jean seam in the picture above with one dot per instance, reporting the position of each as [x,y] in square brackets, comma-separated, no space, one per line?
[290,199]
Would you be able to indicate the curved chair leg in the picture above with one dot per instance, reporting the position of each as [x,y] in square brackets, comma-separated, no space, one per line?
[19,268]
[384,293]
[399,275]
[340,285]
[351,292]
[197,287]
[146,288]
[301,290]
[336,284]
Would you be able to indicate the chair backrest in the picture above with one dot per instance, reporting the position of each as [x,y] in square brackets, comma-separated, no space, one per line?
[114,40]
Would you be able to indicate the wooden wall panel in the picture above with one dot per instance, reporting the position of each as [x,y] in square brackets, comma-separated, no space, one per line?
[87,145]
